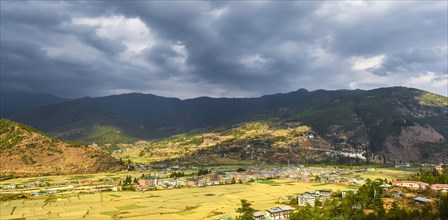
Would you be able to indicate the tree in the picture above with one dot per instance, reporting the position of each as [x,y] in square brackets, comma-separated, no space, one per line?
[442,205]
[394,210]
[245,211]
[233,180]
[240,169]
[306,213]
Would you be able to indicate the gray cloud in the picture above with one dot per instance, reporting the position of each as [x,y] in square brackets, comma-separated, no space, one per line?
[187,49]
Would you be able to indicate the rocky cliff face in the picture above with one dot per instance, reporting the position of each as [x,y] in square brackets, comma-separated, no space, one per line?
[412,141]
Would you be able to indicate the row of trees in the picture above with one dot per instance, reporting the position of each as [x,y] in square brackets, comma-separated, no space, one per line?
[203,172]
[432,176]
[128,183]
[176,174]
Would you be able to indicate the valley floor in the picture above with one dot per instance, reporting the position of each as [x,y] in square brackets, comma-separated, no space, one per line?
[190,203]
[211,202]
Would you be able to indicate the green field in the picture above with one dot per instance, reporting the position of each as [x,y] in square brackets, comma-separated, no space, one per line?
[387,173]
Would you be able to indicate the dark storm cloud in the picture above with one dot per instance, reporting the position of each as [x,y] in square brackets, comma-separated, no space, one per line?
[421,60]
[188,49]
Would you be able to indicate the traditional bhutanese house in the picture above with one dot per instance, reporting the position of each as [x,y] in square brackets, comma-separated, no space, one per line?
[275,213]
[279,212]
[412,184]
[440,187]
[148,181]
[385,186]
[307,198]
[357,181]
[344,192]
[439,167]
[259,216]
[241,176]
[422,199]
[343,180]
[192,183]
[286,210]
[305,178]
[324,192]
[253,175]
[214,176]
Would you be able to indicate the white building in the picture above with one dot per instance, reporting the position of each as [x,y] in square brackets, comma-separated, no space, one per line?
[307,198]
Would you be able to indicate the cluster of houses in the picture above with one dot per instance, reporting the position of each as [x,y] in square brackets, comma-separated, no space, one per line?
[71,189]
[423,185]
[310,197]
[321,175]
[352,153]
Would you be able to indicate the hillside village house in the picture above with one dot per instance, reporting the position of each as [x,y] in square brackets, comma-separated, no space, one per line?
[422,199]
[412,184]
[344,192]
[307,198]
[385,186]
[439,167]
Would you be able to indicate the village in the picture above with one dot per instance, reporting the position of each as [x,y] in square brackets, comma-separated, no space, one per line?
[178,177]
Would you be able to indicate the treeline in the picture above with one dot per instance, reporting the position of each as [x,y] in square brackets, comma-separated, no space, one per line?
[203,172]
[176,174]
[431,176]
[128,183]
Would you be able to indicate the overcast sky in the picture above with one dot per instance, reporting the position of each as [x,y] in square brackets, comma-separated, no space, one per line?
[221,49]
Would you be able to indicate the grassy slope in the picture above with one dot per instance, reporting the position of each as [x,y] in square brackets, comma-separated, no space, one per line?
[26,151]
[249,143]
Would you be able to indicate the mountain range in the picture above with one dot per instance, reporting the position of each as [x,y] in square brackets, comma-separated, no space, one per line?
[11,101]
[397,123]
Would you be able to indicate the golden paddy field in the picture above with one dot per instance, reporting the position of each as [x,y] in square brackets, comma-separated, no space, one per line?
[210,202]
[191,203]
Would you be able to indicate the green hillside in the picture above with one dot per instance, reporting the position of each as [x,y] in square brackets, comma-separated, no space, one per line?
[384,122]
[246,143]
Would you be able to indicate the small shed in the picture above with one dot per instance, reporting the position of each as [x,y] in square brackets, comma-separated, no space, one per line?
[422,199]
